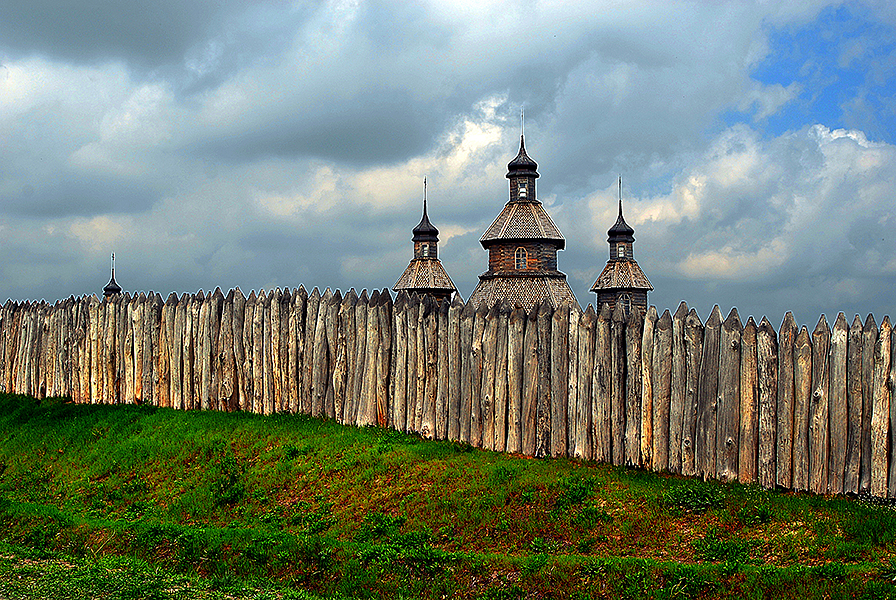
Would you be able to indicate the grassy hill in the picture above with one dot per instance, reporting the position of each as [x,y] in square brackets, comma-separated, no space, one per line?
[169,504]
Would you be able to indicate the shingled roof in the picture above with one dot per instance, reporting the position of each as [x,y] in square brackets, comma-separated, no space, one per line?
[622,274]
[424,274]
[522,221]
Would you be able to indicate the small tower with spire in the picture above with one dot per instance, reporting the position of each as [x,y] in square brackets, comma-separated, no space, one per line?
[522,245]
[425,273]
[112,288]
[622,280]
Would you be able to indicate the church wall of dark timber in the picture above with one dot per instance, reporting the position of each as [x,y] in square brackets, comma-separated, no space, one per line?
[721,399]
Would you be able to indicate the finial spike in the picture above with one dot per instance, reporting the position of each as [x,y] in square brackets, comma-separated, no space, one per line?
[424,196]
[522,122]
[620,195]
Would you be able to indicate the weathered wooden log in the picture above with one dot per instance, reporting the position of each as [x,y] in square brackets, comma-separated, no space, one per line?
[312,309]
[258,352]
[344,322]
[890,386]
[604,418]
[543,408]
[584,445]
[204,352]
[662,392]
[476,376]
[357,341]
[500,404]
[869,342]
[413,310]
[367,412]
[529,409]
[441,404]
[786,390]
[728,420]
[166,351]
[467,317]
[152,315]
[229,399]
[880,412]
[559,380]
[646,402]
[384,357]
[855,408]
[819,408]
[400,377]
[708,396]
[633,426]
[618,423]
[487,390]
[239,349]
[111,354]
[424,307]
[454,367]
[748,452]
[320,367]
[767,367]
[802,386]
[431,363]
[515,347]
[294,330]
[572,378]
[837,405]
[273,365]
[332,323]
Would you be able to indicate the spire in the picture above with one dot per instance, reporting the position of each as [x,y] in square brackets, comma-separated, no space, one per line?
[425,231]
[112,288]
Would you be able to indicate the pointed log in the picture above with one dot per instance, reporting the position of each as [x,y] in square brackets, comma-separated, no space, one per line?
[312,310]
[855,408]
[880,412]
[786,392]
[708,396]
[441,403]
[487,390]
[515,361]
[618,424]
[543,408]
[646,370]
[476,369]
[559,380]
[767,365]
[584,444]
[529,414]
[748,451]
[467,318]
[728,422]
[572,378]
[802,385]
[837,405]
[662,392]
[819,408]
[869,343]
[500,403]
[454,367]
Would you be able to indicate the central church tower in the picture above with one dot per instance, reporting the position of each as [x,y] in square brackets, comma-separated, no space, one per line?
[522,246]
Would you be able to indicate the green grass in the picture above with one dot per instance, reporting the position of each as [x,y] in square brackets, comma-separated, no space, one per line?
[176,504]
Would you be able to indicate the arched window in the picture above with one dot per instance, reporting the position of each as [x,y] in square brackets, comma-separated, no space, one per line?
[620,249]
[522,258]
[425,250]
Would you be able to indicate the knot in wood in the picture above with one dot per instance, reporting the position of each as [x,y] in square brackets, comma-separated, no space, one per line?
[816,394]
[733,344]
[686,443]
[729,442]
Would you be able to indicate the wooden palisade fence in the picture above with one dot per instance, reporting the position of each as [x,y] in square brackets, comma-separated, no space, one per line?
[724,399]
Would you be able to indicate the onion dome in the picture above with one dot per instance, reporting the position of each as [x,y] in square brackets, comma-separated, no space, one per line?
[112,288]
[620,231]
[522,164]
[425,231]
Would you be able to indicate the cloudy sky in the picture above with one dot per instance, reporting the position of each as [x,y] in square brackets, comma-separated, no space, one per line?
[271,144]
